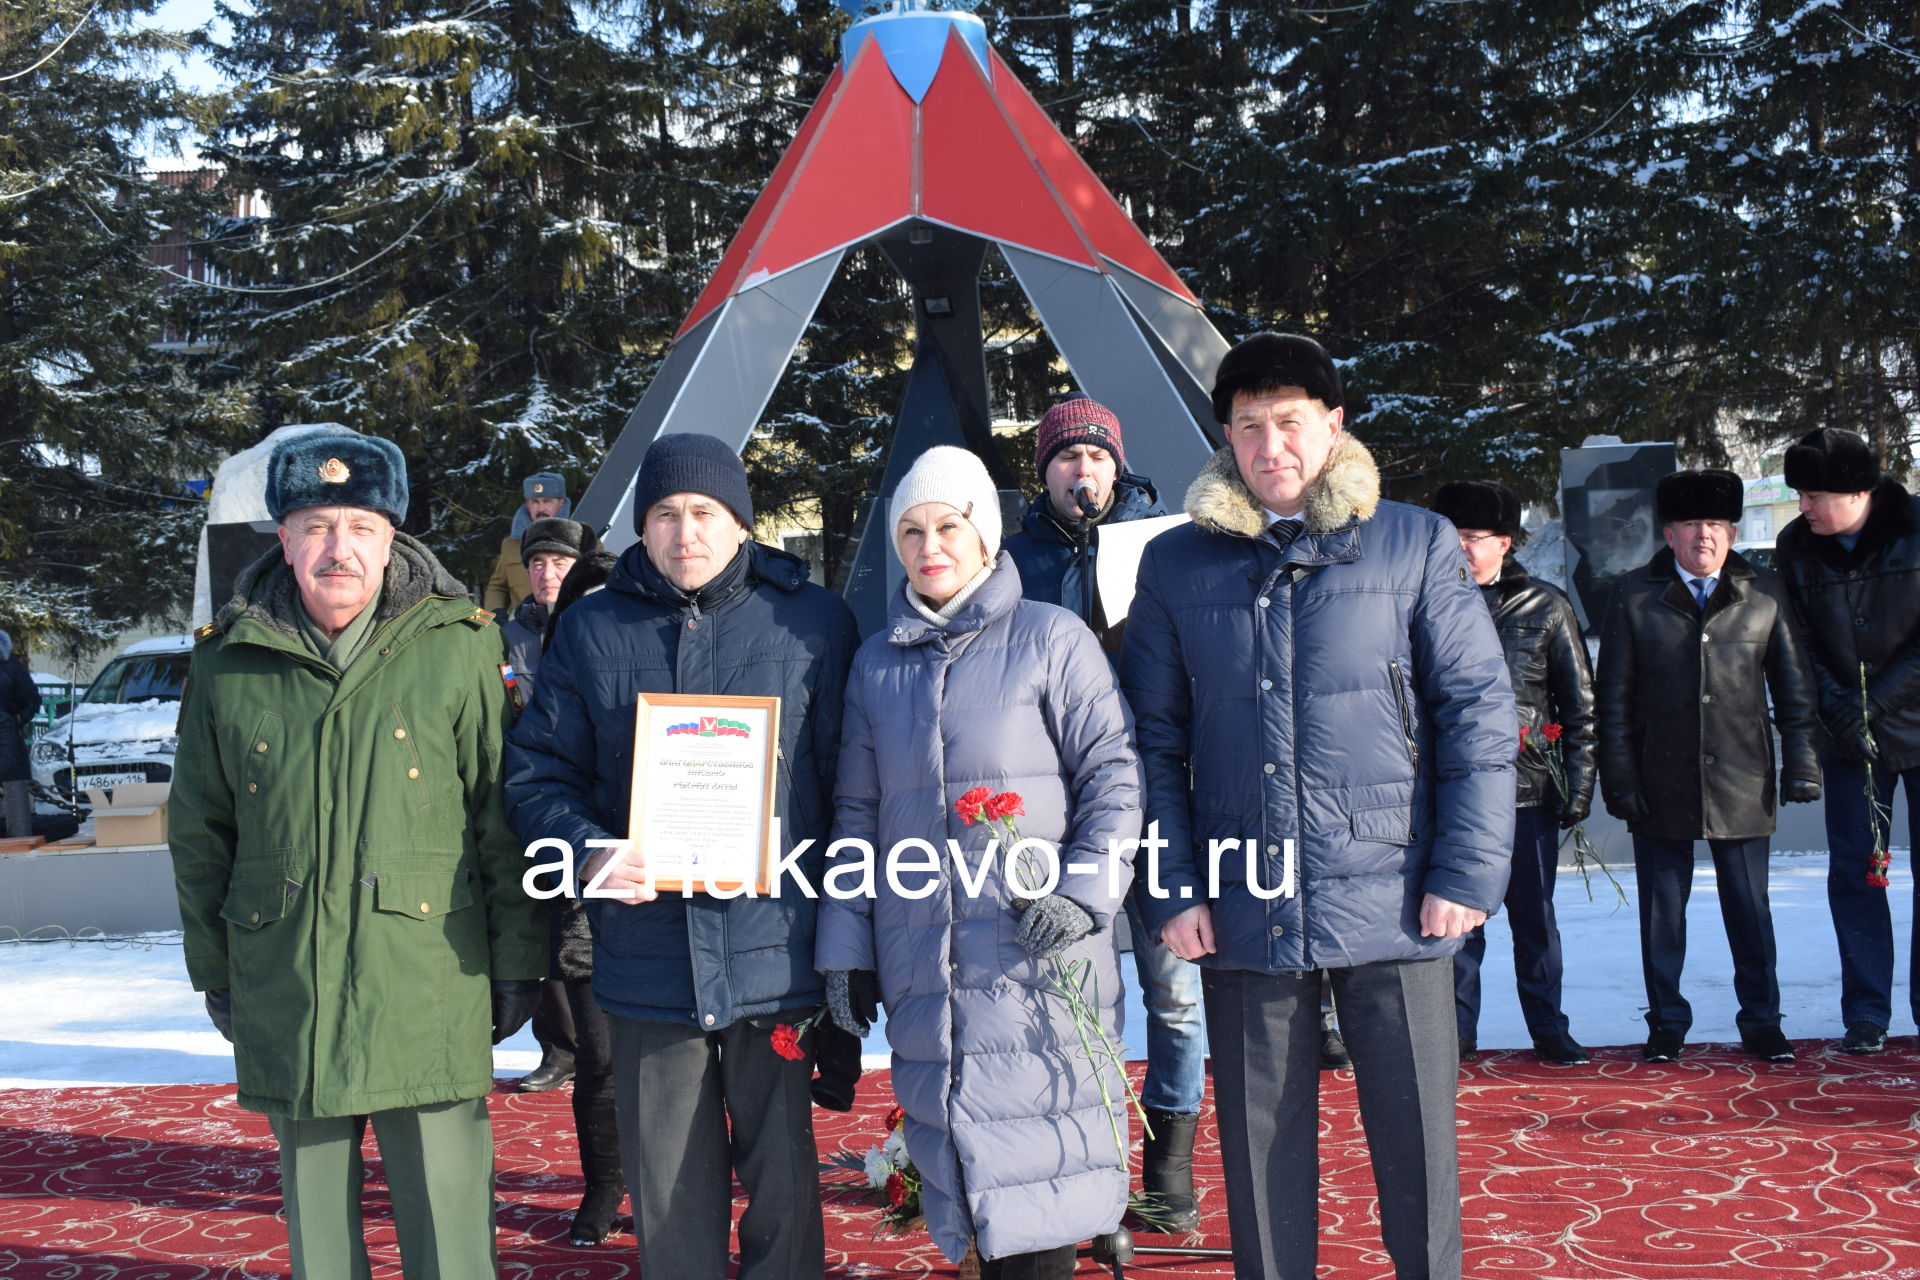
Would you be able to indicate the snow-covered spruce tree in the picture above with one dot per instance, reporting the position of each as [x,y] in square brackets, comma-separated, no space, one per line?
[97,427]
[1822,155]
[473,212]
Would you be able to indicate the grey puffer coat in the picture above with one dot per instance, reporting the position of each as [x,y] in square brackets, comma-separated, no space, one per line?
[1005,1118]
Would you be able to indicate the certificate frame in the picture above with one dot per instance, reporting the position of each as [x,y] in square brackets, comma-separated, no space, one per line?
[677,784]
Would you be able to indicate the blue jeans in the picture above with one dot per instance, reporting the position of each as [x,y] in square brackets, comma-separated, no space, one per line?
[1176,1043]
[1536,933]
[1862,924]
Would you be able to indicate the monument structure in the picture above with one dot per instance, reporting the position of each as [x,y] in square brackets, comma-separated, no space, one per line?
[925,144]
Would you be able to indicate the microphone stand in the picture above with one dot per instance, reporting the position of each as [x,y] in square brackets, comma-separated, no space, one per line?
[1089,512]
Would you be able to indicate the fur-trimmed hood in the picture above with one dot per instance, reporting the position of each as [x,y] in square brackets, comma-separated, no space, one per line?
[266,590]
[1346,491]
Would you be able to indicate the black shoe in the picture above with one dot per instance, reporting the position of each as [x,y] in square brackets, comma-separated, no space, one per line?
[555,1069]
[1663,1046]
[1561,1049]
[1166,1171]
[1468,1047]
[593,1220]
[1333,1051]
[1864,1037]
[1767,1043]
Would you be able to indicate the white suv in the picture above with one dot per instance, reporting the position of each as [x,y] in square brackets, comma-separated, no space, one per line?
[122,728]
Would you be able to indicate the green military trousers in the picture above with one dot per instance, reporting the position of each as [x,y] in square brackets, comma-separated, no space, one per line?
[439,1167]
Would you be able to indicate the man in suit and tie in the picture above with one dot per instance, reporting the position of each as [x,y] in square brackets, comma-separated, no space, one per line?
[1693,644]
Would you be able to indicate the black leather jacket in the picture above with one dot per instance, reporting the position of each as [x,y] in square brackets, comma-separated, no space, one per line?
[1682,697]
[1552,683]
[1862,607]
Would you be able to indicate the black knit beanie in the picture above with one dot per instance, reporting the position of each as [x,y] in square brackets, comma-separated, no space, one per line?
[691,463]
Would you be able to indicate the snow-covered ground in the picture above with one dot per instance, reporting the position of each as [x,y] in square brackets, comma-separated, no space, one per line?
[121,1012]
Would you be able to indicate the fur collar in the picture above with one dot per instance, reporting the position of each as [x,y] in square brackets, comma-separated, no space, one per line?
[266,590]
[1347,490]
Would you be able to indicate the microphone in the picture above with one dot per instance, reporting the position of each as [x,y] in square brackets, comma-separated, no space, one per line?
[1083,491]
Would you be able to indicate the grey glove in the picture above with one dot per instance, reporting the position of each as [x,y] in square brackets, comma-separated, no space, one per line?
[1052,924]
[514,1001]
[853,999]
[220,1011]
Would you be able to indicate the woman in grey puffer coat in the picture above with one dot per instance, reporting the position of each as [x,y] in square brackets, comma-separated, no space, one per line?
[971,686]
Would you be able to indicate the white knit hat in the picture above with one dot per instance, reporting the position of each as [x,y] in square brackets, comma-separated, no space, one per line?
[957,478]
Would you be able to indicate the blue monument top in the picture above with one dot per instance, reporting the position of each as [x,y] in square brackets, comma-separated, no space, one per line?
[913,36]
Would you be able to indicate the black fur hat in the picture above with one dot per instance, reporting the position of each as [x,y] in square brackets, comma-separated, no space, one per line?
[1832,461]
[1269,361]
[337,468]
[1479,504]
[563,537]
[1700,495]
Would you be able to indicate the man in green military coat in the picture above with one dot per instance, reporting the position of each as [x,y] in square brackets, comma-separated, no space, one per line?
[349,887]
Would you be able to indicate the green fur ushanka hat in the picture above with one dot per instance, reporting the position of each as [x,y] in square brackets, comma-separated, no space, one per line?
[337,469]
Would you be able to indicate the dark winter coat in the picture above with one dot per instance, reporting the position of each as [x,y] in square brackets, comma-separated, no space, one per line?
[694,958]
[1346,693]
[1005,1119]
[525,631]
[1862,607]
[19,704]
[1682,698]
[1552,681]
[342,859]
[1047,549]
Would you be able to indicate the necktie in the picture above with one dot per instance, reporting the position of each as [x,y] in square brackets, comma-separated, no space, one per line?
[1284,532]
[1700,592]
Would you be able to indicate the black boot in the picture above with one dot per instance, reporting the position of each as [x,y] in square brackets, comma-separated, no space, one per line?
[555,1069]
[1166,1170]
[593,1220]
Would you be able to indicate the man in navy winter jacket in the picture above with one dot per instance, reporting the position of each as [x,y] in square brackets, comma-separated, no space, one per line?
[694,983]
[1312,670]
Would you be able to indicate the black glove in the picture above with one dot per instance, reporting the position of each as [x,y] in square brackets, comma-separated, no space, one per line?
[1576,812]
[1855,743]
[1629,807]
[1052,924]
[853,999]
[1799,790]
[513,1003]
[220,1011]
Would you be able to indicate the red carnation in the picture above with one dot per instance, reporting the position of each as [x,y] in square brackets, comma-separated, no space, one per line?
[1523,737]
[1553,732]
[786,1043]
[1006,805]
[896,1190]
[894,1116]
[969,805]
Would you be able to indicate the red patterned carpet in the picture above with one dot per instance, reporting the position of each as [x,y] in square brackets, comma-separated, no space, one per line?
[1715,1166]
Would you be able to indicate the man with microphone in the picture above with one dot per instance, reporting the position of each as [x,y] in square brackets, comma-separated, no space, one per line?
[1082,464]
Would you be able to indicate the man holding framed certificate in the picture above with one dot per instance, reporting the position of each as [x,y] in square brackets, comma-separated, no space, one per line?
[689,720]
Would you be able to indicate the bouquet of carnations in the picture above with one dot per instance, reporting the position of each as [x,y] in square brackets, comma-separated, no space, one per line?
[886,1177]
[1547,752]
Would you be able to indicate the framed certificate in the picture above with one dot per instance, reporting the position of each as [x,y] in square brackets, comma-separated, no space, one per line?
[702,805]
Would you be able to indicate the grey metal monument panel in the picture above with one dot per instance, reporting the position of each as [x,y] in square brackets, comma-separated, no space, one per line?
[1189,336]
[1606,505]
[715,381]
[1115,362]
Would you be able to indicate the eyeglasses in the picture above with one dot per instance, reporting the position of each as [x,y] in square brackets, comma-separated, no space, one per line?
[1475,539]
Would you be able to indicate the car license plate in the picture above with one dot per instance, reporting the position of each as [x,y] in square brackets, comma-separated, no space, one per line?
[86,780]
